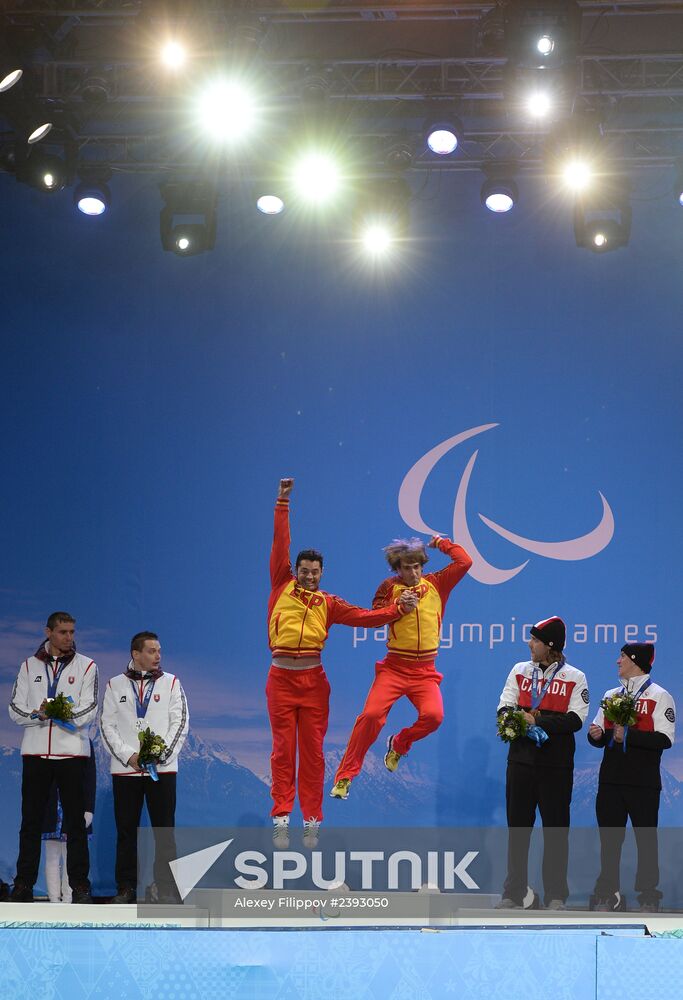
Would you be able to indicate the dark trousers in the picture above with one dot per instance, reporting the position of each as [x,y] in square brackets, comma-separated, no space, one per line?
[613,807]
[548,789]
[37,777]
[129,795]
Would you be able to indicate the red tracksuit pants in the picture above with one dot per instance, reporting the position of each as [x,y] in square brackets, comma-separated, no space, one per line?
[298,707]
[420,683]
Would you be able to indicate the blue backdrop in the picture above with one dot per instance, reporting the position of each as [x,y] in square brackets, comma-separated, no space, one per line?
[152,403]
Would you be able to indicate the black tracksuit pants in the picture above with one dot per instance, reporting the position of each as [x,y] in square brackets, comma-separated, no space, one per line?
[130,793]
[549,789]
[37,776]
[614,805]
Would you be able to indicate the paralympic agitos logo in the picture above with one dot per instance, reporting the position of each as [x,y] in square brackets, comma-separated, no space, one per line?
[583,547]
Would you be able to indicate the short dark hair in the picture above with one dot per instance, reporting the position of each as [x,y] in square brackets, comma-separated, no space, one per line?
[59,616]
[312,555]
[140,638]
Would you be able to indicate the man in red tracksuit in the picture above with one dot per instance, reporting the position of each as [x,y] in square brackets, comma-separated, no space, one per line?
[408,669]
[299,619]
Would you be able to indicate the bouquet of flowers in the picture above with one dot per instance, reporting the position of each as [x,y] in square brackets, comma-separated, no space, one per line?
[60,710]
[511,724]
[620,709]
[151,749]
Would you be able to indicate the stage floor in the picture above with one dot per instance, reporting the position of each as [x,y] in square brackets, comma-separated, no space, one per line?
[44,914]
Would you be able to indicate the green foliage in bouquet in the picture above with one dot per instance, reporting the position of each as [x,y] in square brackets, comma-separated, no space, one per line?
[59,708]
[151,747]
[511,724]
[620,709]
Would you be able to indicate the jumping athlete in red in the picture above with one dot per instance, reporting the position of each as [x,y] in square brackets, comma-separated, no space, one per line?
[299,619]
[408,669]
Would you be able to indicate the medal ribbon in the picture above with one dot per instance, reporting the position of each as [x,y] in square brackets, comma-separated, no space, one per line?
[536,696]
[142,700]
[56,674]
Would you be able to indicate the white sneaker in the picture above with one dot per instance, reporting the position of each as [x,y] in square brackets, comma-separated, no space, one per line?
[311,831]
[281,832]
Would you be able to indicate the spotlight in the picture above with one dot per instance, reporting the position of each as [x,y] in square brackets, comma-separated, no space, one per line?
[316,83]
[577,174]
[189,239]
[602,219]
[545,45]
[499,195]
[316,177]
[95,89]
[400,152]
[376,239]
[542,33]
[10,68]
[270,204]
[36,128]
[187,222]
[43,171]
[228,111]
[173,55]
[539,104]
[382,216]
[92,198]
[443,135]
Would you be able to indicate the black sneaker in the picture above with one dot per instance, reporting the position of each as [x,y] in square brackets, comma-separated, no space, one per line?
[81,894]
[614,903]
[125,895]
[21,893]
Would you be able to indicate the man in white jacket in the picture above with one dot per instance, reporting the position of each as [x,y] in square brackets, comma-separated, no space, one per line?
[144,697]
[51,752]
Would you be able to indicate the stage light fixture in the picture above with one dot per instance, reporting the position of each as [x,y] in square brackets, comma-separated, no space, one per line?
[539,103]
[443,135]
[382,216]
[43,171]
[36,127]
[10,67]
[602,218]
[316,177]
[270,204]
[187,222]
[228,111]
[173,54]
[499,195]
[399,152]
[92,198]
[376,238]
[542,34]
[545,45]
[577,174]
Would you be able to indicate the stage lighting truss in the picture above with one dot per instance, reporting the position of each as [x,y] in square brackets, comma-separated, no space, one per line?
[602,219]
[382,215]
[187,221]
